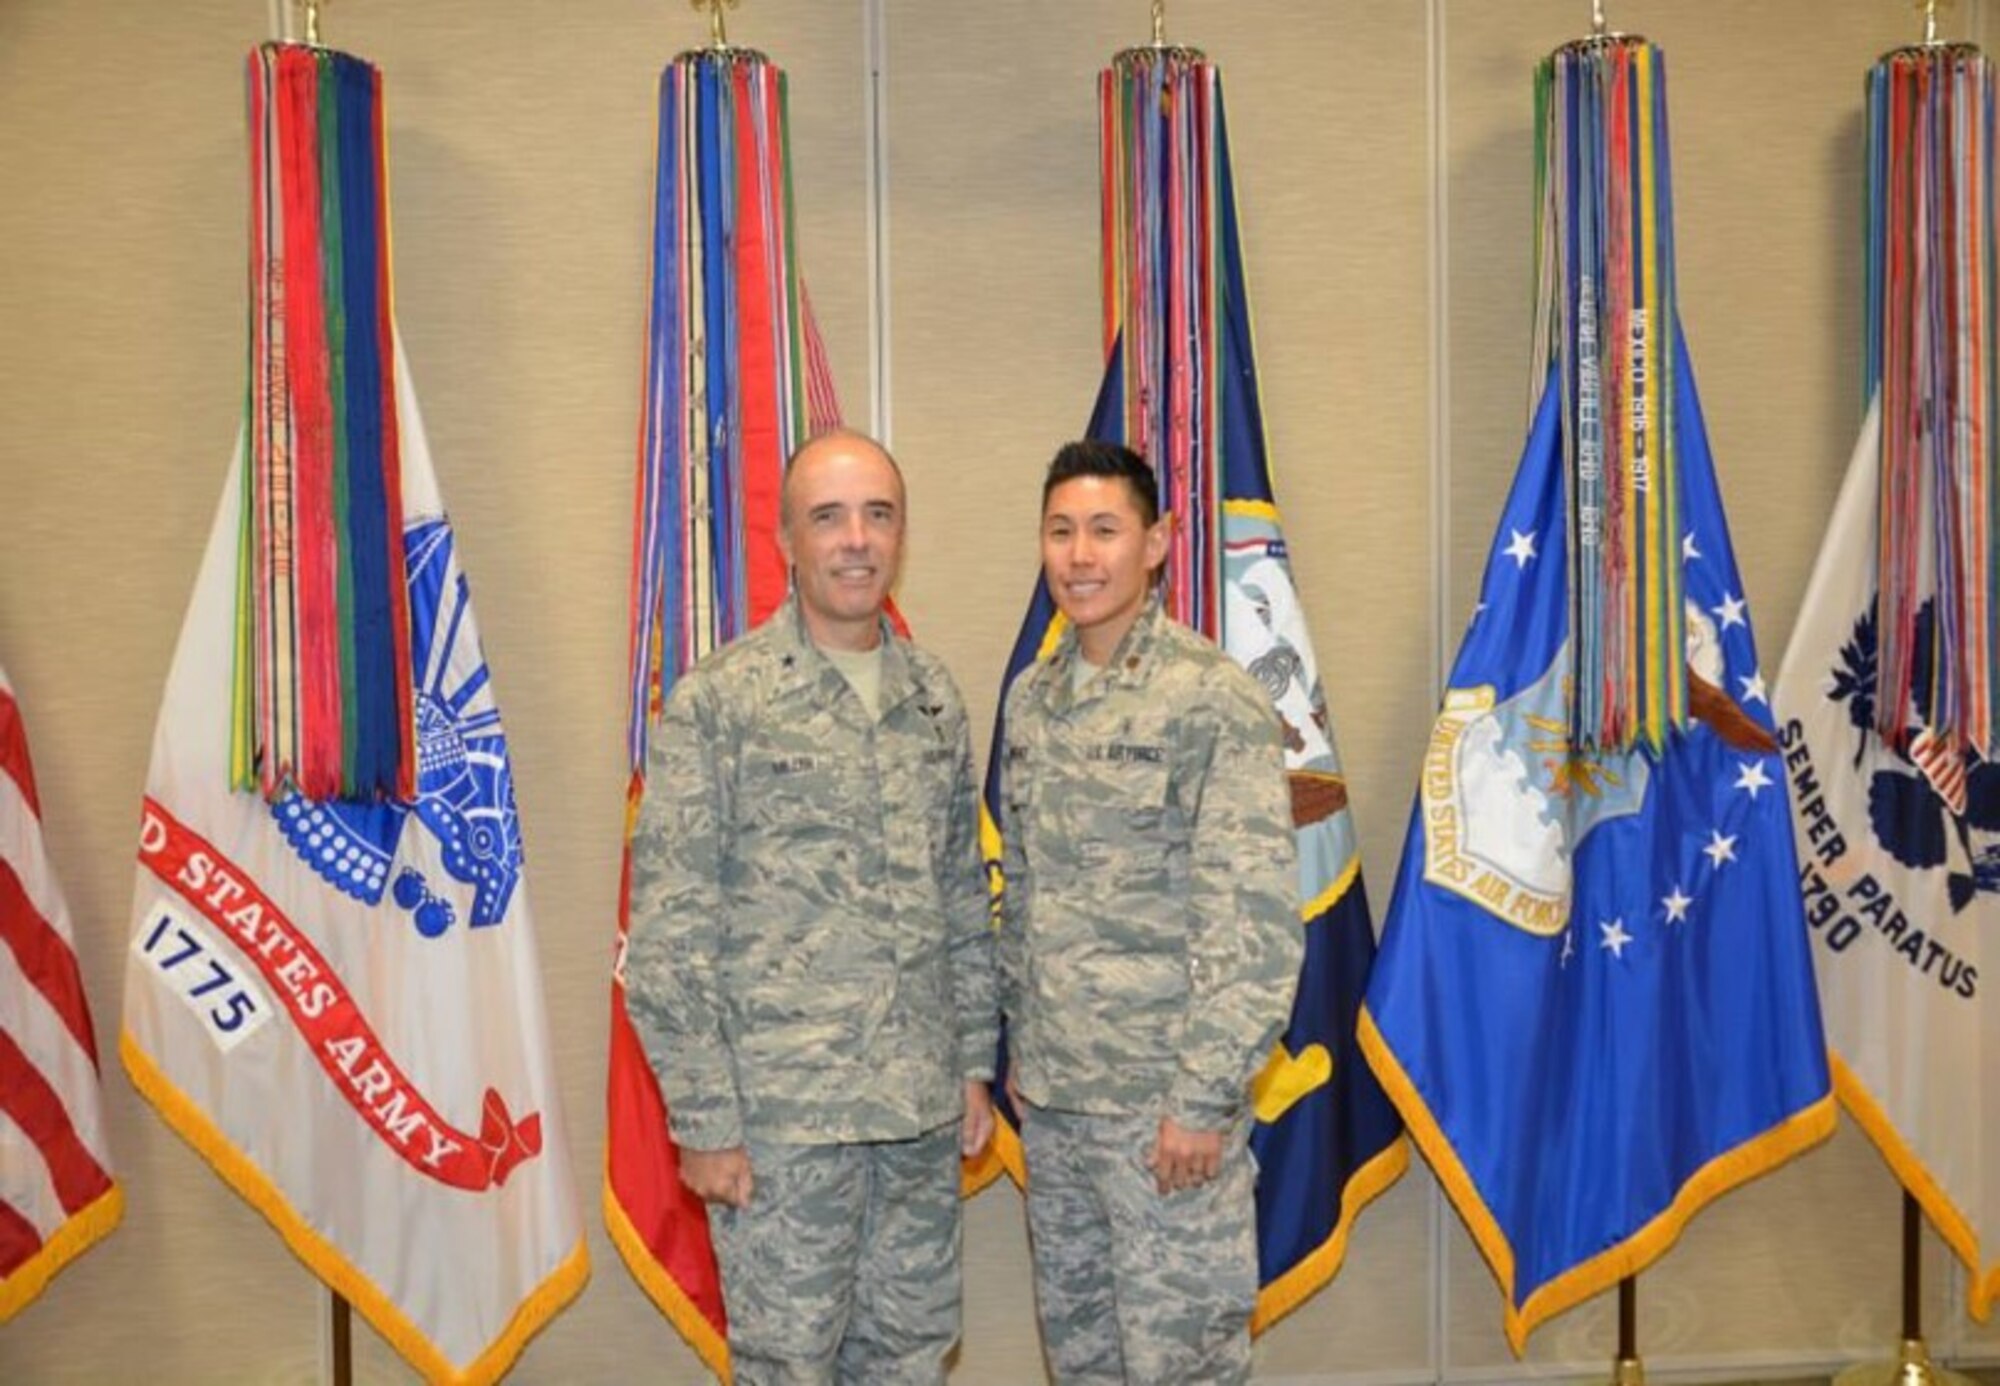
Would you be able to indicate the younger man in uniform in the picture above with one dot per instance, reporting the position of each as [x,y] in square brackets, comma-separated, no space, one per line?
[810,959]
[1150,946]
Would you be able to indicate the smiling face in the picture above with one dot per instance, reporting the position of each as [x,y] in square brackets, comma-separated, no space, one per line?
[842,534]
[1099,555]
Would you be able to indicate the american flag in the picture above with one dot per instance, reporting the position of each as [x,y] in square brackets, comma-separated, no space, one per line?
[1942,760]
[57,1194]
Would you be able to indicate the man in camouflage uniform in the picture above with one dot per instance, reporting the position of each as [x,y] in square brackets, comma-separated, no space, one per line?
[1150,946]
[810,964]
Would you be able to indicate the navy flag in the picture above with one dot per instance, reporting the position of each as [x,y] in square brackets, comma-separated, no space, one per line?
[1327,1139]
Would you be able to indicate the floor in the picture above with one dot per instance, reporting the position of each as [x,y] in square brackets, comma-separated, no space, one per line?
[1988,1376]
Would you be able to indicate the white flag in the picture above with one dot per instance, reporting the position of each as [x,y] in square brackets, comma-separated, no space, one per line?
[57,1193]
[1899,854]
[338,1004]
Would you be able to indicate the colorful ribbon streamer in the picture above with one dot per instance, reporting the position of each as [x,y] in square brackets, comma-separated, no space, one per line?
[1930,333]
[322,692]
[736,376]
[1160,112]
[1605,312]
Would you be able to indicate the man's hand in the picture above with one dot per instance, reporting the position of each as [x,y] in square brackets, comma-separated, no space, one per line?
[718,1176]
[977,1129]
[1184,1159]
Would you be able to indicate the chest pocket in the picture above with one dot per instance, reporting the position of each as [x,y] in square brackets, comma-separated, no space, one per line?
[794,797]
[1131,807]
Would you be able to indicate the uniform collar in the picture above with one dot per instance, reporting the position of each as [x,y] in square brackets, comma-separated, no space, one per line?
[808,670]
[1131,664]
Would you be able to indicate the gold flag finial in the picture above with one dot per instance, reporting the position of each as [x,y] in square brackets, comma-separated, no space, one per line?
[1933,42]
[1601,34]
[718,36]
[1159,49]
[719,48]
[312,8]
[1930,9]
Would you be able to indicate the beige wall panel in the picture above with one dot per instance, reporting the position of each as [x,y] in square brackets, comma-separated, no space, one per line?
[1767,108]
[521,152]
[1328,133]
[994,321]
[996,359]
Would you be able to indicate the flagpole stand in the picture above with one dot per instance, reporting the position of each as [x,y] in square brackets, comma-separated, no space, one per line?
[1626,1368]
[1913,1365]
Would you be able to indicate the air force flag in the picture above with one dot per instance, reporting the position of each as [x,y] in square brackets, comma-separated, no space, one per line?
[1594,1001]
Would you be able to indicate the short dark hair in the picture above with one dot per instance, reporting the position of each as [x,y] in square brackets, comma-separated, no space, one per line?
[1100,457]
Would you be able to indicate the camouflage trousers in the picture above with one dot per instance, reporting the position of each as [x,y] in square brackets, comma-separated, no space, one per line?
[1132,1285]
[845,1266]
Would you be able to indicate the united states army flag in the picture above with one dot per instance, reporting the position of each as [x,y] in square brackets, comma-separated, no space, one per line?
[337,1003]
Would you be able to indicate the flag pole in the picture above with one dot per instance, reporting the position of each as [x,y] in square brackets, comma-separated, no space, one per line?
[341,1320]
[1627,1369]
[340,1314]
[1913,1365]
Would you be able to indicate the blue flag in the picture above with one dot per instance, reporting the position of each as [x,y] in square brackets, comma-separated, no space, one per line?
[1594,1003]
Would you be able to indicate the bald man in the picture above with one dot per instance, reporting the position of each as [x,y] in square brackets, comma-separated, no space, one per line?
[810,960]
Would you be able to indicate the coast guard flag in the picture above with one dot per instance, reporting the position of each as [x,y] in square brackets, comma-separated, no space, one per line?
[1594,1002]
[57,1194]
[1887,696]
[1326,1138]
[1900,854]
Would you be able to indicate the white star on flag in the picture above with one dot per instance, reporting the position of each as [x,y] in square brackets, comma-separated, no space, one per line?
[1731,611]
[1615,938]
[1720,849]
[1677,904]
[1753,688]
[1688,551]
[1521,548]
[1750,775]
